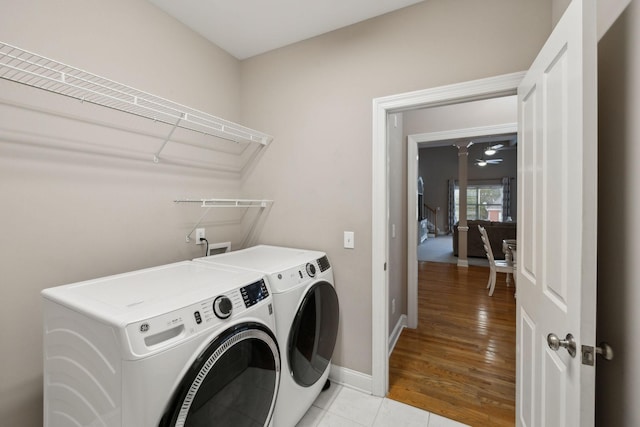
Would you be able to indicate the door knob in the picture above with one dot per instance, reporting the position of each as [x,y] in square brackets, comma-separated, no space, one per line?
[569,343]
[589,352]
[605,351]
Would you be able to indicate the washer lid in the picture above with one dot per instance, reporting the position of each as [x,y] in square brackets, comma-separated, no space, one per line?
[264,258]
[123,298]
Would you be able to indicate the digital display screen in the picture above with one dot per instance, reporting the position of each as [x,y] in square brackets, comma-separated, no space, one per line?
[253,293]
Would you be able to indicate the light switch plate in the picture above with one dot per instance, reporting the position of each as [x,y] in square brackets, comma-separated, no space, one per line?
[349,240]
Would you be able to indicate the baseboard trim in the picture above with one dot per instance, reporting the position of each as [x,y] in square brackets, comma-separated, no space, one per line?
[397,330]
[350,378]
[357,380]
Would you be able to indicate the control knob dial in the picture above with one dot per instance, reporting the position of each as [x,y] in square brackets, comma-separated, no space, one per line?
[311,270]
[222,307]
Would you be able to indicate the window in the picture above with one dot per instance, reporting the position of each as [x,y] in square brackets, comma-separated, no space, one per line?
[483,202]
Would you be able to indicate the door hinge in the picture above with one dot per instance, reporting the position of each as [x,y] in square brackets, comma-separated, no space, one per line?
[385,266]
[589,352]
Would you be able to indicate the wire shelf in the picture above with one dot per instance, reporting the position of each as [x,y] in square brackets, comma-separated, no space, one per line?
[28,68]
[222,203]
[227,203]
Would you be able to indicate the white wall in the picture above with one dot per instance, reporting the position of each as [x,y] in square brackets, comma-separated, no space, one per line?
[487,112]
[316,97]
[618,381]
[68,215]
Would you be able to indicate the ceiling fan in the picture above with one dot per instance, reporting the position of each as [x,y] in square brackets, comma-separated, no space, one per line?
[489,151]
[482,162]
[493,149]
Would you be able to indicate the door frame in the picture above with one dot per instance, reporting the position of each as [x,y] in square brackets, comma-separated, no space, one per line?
[414,143]
[475,90]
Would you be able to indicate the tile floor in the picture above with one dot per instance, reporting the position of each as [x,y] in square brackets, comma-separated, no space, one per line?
[341,406]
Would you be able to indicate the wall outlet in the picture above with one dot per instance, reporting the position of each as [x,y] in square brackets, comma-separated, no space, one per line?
[199,235]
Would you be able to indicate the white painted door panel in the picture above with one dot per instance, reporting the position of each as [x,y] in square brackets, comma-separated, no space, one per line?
[557,183]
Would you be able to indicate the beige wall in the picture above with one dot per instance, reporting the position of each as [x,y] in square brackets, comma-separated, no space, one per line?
[618,381]
[557,9]
[316,97]
[130,42]
[68,215]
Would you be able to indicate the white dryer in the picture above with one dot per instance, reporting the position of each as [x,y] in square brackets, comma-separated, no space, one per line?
[307,312]
[183,344]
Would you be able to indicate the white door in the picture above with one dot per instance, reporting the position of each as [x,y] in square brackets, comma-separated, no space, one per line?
[557,184]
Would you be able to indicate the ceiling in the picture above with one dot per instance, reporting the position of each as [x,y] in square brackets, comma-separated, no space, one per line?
[508,140]
[245,28]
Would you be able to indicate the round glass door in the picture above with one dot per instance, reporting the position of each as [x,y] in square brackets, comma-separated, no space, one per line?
[313,334]
[233,382]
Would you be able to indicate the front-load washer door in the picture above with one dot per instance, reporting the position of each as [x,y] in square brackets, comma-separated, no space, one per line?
[233,382]
[313,334]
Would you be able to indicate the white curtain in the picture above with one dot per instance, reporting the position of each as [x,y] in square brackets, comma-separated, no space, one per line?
[451,218]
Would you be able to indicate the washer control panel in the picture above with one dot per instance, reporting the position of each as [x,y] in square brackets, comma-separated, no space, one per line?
[311,270]
[254,293]
[211,311]
[153,334]
[222,307]
[288,279]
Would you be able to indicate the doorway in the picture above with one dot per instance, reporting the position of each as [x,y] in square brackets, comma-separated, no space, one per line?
[459,136]
[458,361]
[476,90]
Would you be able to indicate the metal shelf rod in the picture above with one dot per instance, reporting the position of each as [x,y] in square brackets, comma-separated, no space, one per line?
[227,203]
[156,157]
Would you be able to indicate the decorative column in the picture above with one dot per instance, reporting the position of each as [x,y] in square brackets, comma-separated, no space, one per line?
[463,228]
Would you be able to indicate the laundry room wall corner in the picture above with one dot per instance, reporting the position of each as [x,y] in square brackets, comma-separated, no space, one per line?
[70,210]
[350,378]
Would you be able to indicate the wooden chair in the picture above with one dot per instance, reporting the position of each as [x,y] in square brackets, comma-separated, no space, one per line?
[495,266]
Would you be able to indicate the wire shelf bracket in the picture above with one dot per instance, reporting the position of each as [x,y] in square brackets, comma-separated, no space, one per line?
[156,157]
[21,66]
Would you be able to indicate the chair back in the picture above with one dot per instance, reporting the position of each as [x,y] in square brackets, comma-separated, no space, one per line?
[487,245]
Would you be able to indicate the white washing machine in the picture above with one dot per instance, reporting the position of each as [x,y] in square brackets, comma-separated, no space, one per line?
[183,344]
[307,311]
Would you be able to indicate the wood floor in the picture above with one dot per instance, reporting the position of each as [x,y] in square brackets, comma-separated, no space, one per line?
[460,361]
